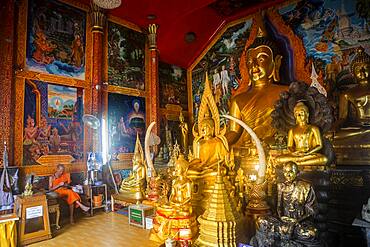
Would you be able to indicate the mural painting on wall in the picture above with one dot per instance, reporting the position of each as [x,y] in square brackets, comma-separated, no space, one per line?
[126,62]
[172,86]
[331,32]
[126,117]
[56,39]
[222,64]
[53,121]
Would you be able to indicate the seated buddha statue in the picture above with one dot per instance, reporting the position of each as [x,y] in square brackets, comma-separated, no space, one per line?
[133,187]
[254,106]
[179,202]
[304,141]
[353,127]
[296,204]
[177,212]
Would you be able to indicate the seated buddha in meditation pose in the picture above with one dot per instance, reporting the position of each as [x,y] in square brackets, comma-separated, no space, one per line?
[133,187]
[304,141]
[296,204]
[179,203]
[354,104]
[59,182]
[255,105]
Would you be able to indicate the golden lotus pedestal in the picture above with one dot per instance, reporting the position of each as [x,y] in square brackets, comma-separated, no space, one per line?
[179,228]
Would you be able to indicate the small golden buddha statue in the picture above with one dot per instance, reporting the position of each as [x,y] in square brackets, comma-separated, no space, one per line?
[184,134]
[177,213]
[353,127]
[133,187]
[296,204]
[255,105]
[180,197]
[304,141]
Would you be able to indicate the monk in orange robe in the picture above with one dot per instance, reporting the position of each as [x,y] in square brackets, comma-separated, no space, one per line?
[59,182]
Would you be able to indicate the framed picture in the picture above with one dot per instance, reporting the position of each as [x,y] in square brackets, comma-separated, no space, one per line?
[126,119]
[53,126]
[172,86]
[56,39]
[126,57]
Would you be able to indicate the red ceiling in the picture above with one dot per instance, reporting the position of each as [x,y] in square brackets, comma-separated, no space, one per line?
[176,18]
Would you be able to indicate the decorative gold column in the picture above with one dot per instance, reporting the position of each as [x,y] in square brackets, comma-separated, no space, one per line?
[153,77]
[7,41]
[98,21]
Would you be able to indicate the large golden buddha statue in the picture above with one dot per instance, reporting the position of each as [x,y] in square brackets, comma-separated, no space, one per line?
[353,127]
[255,105]
[133,187]
[296,205]
[304,141]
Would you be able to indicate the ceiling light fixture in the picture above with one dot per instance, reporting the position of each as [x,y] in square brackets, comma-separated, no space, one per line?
[108,4]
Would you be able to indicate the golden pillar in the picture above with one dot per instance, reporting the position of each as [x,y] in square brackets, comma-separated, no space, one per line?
[153,76]
[7,41]
[98,20]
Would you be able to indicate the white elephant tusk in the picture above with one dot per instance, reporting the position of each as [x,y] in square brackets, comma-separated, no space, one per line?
[260,151]
[147,150]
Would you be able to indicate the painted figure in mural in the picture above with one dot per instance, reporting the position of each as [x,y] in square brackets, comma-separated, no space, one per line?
[30,132]
[54,140]
[254,106]
[225,80]
[217,91]
[184,134]
[44,130]
[73,131]
[332,69]
[121,128]
[304,141]
[296,205]
[43,48]
[77,55]
[136,118]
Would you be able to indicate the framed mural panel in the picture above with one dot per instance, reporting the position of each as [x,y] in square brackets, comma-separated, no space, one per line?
[126,57]
[172,86]
[126,119]
[53,128]
[221,61]
[56,39]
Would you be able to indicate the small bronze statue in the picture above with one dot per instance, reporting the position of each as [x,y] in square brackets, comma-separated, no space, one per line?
[296,205]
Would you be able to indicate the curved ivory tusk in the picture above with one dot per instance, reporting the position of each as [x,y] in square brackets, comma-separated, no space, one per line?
[260,151]
[147,150]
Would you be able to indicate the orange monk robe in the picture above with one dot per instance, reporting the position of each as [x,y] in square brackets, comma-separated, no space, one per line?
[67,194]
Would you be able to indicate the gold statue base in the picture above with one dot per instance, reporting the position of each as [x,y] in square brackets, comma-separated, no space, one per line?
[183,228]
[135,193]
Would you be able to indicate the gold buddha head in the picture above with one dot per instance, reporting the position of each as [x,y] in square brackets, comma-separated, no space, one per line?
[181,117]
[263,62]
[207,127]
[360,66]
[301,113]
[181,165]
[290,171]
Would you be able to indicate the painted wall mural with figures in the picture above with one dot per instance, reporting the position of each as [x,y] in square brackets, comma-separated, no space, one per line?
[172,85]
[222,64]
[56,39]
[52,119]
[331,32]
[126,118]
[126,57]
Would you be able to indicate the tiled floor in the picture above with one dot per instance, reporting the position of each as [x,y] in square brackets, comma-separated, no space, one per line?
[103,229]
